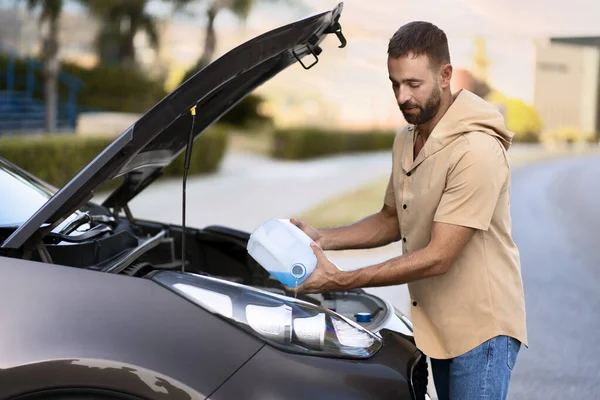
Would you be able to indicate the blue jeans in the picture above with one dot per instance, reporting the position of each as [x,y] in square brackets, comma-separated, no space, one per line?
[482,373]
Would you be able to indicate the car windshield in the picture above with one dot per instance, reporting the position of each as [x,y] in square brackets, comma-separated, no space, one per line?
[23,196]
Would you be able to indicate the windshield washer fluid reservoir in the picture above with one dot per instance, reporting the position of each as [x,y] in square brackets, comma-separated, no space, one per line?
[283,250]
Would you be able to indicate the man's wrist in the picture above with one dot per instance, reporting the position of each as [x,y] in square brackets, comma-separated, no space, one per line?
[322,240]
[347,279]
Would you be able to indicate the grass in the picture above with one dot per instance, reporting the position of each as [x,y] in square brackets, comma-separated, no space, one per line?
[349,207]
[251,142]
[355,205]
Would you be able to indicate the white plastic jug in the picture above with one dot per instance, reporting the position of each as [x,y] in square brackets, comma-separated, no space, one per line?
[283,250]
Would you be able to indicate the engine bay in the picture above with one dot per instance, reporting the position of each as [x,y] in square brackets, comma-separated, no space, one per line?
[137,248]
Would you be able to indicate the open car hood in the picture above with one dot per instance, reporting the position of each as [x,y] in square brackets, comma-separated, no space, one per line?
[159,136]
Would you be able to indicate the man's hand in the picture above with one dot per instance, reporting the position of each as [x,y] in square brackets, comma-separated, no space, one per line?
[309,230]
[325,278]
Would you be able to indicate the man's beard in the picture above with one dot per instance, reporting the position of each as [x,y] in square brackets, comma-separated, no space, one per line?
[427,112]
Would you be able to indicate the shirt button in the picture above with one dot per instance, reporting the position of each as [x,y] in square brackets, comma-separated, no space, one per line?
[414,303]
[404,240]
[404,206]
[408,174]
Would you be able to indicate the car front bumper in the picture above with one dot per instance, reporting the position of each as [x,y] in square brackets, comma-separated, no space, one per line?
[397,371]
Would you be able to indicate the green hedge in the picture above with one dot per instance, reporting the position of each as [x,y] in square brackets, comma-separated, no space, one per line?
[57,159]
[116,88]
[299,144]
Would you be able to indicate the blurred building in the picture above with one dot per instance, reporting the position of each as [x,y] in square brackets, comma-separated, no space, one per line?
[567,84]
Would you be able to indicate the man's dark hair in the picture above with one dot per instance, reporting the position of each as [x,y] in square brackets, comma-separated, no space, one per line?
[420,38]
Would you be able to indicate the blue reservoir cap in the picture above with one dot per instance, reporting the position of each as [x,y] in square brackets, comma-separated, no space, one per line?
[363,317]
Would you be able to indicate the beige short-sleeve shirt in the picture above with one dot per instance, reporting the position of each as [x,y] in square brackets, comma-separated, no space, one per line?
[461,176]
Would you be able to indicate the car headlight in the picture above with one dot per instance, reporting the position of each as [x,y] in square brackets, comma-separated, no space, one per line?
[289,324]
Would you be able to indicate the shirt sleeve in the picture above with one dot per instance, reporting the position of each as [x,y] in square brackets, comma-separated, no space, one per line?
[473,186]
[390,197]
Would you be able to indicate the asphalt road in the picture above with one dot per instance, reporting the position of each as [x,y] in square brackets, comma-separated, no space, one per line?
[556,224]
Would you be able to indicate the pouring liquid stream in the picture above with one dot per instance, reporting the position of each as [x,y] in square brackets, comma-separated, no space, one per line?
[296,289]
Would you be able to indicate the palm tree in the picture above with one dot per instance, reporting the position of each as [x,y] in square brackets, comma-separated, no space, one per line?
[247,109]
[50,14]
[240,8]
[120,21]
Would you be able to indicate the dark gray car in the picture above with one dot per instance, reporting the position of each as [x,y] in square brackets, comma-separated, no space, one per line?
[96,304]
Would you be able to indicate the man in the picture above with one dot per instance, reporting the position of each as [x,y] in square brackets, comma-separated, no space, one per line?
[448,202]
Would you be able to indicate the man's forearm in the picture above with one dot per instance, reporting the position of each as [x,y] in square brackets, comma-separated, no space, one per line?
[396,271]
[373,231]
[447,241]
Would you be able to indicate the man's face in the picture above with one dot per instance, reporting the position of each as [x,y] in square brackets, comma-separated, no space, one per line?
[416,87]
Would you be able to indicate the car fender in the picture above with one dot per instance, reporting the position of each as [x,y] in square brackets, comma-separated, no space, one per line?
[86,374]
[81,320]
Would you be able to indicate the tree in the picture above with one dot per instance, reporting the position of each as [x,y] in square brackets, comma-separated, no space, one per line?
[481,63]
[247,111]
[120,21]
[481,59]
[240,8]
[521,118]
[50,11]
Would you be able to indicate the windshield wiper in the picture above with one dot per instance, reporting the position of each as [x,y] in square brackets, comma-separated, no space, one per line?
[91,234]
[86,218]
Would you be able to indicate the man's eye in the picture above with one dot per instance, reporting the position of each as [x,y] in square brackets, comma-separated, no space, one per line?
[414,85]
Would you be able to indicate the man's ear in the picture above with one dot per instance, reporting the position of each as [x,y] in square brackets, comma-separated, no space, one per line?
[445,75]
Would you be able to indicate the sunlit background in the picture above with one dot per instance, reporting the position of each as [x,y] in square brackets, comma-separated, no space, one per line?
[513,46]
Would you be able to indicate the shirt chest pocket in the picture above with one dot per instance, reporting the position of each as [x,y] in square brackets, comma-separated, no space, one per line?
[429,182]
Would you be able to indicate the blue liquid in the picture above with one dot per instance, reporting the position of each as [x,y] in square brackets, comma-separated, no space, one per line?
[287,279]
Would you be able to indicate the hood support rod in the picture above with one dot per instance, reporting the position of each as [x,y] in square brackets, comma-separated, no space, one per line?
[186,167]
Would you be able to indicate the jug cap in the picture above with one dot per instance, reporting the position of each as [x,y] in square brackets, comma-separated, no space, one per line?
[298,271]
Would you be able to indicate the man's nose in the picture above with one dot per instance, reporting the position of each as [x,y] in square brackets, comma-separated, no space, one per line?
[403,96]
